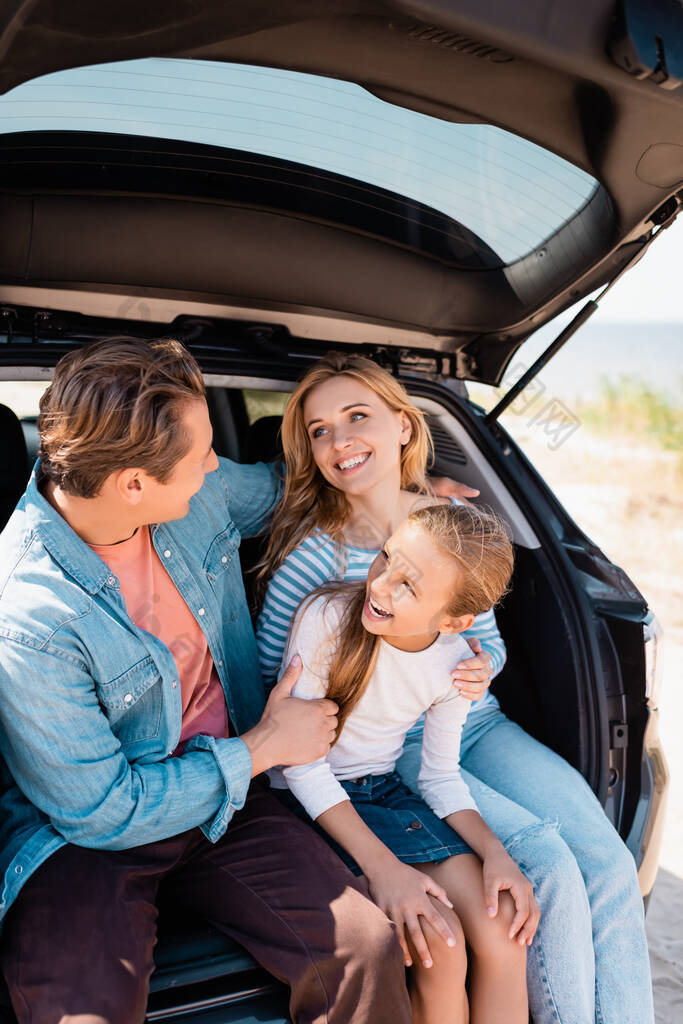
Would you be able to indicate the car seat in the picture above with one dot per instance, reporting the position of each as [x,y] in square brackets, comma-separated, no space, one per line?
[14,465]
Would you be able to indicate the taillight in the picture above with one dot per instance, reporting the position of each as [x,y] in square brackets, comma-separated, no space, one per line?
[652,636]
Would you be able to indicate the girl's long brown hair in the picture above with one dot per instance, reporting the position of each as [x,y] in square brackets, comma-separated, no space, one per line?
[309,501]
[477,540]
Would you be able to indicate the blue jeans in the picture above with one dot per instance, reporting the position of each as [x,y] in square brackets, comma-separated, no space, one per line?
[588,962]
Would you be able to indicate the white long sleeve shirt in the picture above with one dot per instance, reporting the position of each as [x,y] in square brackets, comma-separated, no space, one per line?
[403,686]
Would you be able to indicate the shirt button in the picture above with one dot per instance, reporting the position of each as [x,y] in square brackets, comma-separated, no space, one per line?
[128,698]
[111,580]
[200,612]
[167,553]
[175,684]
[224,559]
[415,825]
[18,869]
[220,664]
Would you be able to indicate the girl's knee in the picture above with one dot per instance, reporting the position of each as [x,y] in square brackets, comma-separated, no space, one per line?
[452,958]
[491,940]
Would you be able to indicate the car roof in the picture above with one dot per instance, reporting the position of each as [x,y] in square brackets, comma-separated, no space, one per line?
[548,75]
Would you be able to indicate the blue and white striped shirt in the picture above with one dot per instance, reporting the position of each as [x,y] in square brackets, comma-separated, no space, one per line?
[317,560]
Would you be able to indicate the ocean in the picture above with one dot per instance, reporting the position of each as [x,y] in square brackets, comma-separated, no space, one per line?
[650,352]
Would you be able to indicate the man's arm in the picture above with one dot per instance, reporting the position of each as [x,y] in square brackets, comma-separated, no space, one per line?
[59,747]
[253,492]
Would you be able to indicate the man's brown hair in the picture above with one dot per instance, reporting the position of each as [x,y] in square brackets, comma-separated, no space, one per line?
[116,404]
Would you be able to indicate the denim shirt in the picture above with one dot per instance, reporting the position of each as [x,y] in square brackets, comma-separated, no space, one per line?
[90,704]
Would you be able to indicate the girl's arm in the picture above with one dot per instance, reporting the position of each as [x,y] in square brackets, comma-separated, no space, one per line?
[443,788]
[313,636]
[399,890]
[439,781]
[500,873]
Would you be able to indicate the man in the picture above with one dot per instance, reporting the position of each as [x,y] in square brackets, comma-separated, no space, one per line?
[132,721]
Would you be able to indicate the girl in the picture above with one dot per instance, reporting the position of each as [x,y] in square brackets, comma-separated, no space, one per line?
[383,650]
[356,448]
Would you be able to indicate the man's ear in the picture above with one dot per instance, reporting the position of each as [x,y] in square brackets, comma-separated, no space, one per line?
[130,485]
[456,623]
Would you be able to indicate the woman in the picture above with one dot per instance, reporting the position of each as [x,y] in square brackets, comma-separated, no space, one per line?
[356,449]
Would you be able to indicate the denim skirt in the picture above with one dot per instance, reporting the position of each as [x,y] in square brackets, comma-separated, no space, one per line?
[398,817]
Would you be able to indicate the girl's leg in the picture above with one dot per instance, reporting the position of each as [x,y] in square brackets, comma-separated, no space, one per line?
[549,787]
[560,966]
[437,993]
[497,977]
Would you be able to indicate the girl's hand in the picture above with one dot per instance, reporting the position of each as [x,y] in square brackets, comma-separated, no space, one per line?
[500,873]
[401,892]
[472,677]
[444,487]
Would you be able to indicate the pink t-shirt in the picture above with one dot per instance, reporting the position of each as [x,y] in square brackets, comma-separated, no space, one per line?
[155,604]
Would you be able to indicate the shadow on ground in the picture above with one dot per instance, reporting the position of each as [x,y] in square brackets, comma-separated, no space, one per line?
[664,924]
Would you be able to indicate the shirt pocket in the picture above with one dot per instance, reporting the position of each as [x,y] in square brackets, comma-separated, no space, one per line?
[223,571]
[132,702]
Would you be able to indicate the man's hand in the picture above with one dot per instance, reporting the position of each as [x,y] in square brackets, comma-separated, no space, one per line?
[472,677]
[501,872]
[444,487]
[291,730]
[404,894]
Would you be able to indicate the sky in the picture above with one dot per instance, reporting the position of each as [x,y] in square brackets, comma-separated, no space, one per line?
[652,291]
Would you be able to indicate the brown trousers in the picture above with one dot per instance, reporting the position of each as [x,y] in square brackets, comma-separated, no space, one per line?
[79,940]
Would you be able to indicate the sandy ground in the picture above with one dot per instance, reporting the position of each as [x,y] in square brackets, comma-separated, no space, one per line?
[629,499]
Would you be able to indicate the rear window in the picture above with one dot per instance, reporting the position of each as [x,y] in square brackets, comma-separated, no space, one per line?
[510,193]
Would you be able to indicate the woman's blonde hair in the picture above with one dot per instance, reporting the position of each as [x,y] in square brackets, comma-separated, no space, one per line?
[309,501]
[477,540]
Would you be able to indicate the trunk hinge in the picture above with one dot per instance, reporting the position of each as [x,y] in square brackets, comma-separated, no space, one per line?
[662,218]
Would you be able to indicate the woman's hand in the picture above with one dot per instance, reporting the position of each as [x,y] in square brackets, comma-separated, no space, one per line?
[500,873]
[472,677]
[444,487]
[401,892]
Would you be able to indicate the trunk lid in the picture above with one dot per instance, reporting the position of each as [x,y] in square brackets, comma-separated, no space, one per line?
[444,176]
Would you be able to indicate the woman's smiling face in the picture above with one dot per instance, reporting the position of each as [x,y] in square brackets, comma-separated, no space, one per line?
[355,437]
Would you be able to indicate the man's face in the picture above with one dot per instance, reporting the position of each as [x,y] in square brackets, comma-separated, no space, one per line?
[161,503]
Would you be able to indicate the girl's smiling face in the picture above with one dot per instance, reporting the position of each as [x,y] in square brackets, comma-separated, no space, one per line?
[355,437]
[410,589]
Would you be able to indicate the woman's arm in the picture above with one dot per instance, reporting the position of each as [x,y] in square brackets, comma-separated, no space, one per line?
[485,630]
[302,571]
[472,676]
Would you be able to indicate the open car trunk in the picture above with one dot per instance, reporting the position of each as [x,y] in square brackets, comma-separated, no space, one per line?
[546,685]
[260,258]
